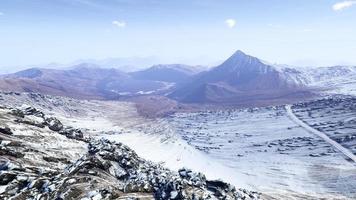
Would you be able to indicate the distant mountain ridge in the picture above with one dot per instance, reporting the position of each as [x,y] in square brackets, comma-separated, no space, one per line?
[241,79]
[81,81]
[87,80]
[175,73]
[128,64]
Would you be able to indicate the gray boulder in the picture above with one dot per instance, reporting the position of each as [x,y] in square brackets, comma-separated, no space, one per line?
[54,124]
[6,130]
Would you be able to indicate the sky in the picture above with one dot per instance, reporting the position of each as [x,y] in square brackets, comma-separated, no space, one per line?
[294,32]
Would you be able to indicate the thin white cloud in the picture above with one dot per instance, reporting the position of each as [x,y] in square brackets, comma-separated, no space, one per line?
[230,23]
[343,5]
[1,13]
[120,24]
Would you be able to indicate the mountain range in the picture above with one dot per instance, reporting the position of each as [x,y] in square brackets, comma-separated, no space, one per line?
[240,80]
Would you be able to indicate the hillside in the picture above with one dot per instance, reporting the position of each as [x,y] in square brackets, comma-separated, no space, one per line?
[174,73]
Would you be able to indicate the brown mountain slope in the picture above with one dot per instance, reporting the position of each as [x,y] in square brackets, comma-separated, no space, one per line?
[82,81]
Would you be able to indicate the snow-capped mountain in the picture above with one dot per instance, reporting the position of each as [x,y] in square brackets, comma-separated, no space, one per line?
[243,78]
[334,80]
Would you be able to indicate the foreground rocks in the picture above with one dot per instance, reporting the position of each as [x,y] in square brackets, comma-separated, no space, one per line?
[32,116]
[105,170]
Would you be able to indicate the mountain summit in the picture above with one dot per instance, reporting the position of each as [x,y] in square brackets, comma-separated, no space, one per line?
[239,57]
[240,61]
[244,71]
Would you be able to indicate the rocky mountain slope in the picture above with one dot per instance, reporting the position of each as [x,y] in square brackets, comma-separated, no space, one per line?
[43,158]
[240,79]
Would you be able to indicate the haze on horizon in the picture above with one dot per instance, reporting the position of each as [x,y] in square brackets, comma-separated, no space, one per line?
[303,32]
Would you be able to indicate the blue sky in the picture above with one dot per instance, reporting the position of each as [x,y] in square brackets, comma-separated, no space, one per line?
[296,32]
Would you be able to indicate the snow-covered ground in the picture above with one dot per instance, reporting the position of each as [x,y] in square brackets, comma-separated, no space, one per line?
[320,134]
[269,151]
[262,150]
[258,149]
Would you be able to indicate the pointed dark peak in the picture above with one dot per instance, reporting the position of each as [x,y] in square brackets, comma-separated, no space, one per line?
[239,53]
[239,56]
[240,60]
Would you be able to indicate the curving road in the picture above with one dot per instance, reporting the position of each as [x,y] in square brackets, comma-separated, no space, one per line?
[310,129]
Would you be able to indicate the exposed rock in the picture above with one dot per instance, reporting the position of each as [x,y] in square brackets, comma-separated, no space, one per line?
[6,177]
[71,132]
[54,124]
[18,113]
[8,151]
[32,111]
[6,130]
[123,172]
[55,160]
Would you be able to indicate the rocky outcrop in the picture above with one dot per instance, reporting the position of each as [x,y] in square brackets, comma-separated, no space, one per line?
[107,170]
[31,116]
[54,124]
[6,130]
[112,170]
